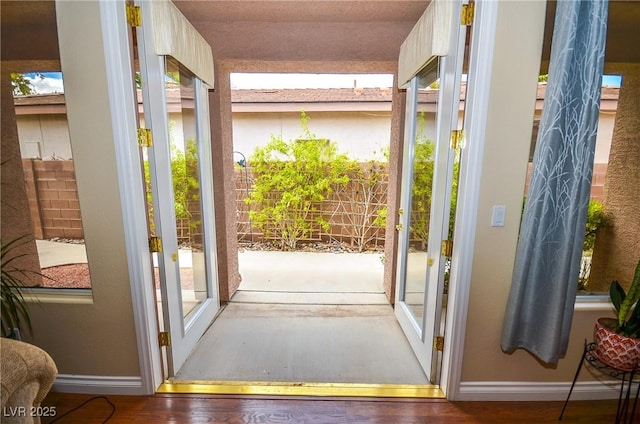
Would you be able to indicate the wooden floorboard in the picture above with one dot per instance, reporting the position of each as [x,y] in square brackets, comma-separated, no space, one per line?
[185,409]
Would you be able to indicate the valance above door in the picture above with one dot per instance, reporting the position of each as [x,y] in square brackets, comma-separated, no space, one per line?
[429,37]
[175,36]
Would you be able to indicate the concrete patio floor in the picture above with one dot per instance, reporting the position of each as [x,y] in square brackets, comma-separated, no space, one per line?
[306,317]
[310,278]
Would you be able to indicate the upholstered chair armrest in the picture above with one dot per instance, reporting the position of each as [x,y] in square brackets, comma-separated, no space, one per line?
[27,374]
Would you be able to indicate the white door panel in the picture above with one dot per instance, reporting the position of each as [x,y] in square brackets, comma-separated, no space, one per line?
[426,188]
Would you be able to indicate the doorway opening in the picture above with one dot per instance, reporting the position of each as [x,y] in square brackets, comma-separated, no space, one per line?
[311,160]
[311,176]
[311,305]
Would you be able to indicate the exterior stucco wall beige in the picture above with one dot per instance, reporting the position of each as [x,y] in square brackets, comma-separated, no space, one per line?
[223,184]
[617,245]
[13,192]
[363,135]
[44,136]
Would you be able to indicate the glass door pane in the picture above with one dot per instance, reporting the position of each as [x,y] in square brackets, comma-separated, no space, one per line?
[186,178]
[419,159]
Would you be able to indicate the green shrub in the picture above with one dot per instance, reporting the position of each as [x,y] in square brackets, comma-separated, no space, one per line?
[291,181]
[185,178]
[596,219]
[421,194]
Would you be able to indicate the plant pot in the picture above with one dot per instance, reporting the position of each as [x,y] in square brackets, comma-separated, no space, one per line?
[617,351]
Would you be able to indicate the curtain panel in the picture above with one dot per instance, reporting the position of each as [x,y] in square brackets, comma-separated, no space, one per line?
[544,284]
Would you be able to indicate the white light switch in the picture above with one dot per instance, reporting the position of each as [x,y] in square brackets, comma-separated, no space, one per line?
[498,215]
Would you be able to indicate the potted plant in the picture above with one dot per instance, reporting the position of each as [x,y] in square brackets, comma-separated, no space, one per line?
[618,340]
[15,314]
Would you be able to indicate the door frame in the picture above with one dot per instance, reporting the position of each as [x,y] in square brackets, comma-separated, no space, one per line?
[479,76]
[115,29]
[132,193]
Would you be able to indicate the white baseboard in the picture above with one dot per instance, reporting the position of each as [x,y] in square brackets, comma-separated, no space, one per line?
[537,391]
[98,384]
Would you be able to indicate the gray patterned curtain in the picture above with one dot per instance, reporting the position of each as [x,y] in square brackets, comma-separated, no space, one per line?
[540,309]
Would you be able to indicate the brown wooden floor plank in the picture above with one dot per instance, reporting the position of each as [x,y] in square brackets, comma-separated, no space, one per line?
[198,409]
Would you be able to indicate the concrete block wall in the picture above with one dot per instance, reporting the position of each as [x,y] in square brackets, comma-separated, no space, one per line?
[53,198]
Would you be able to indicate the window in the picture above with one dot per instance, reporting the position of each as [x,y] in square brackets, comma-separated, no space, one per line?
[50,181]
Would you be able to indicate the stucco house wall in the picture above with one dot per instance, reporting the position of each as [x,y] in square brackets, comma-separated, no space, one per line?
[363,135]
[361,129]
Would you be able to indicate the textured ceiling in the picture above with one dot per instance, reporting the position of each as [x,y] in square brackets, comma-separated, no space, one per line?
[293,30]
[355,30]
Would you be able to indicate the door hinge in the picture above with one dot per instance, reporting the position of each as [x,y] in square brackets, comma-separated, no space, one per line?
[447,248]
[457,139]
[134,16]
[438,343]
[164,338]
[144,137]
[466,17]
[155,244]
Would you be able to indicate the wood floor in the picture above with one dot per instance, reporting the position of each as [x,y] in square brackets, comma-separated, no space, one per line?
[186,409]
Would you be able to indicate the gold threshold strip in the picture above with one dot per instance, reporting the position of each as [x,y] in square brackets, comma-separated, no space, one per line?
[302,389]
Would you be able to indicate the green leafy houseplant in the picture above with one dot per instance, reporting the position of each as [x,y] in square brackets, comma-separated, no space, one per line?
[14,310]
[628,320]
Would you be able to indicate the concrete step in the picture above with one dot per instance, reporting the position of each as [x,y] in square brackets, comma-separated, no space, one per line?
[310,298]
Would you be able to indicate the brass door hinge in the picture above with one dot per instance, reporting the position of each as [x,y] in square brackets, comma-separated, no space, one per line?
[144,137]
[155,244]
[134,16]
[447,248]
[438,343]
[466,17]
[164,338]
[457,138]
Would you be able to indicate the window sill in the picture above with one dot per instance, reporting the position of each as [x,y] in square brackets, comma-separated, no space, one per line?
[593,303]
[64,296]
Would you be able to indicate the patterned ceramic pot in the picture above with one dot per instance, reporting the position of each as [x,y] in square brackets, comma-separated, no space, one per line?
[617,351]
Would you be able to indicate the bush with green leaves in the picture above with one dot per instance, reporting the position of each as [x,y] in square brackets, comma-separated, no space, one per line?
[422,186]
[185,178]
[421,192]
[292,179]
[596,219]
[185,175]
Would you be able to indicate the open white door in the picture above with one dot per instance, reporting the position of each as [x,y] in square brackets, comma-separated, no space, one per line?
[432,109]
[181,184]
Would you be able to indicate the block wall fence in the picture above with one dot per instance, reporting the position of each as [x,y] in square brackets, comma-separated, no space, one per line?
[55,208]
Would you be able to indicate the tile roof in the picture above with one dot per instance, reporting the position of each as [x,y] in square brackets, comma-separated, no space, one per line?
[306,95]
[312,95]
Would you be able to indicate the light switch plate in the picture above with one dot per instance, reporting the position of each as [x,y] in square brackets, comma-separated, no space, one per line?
[498,215]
